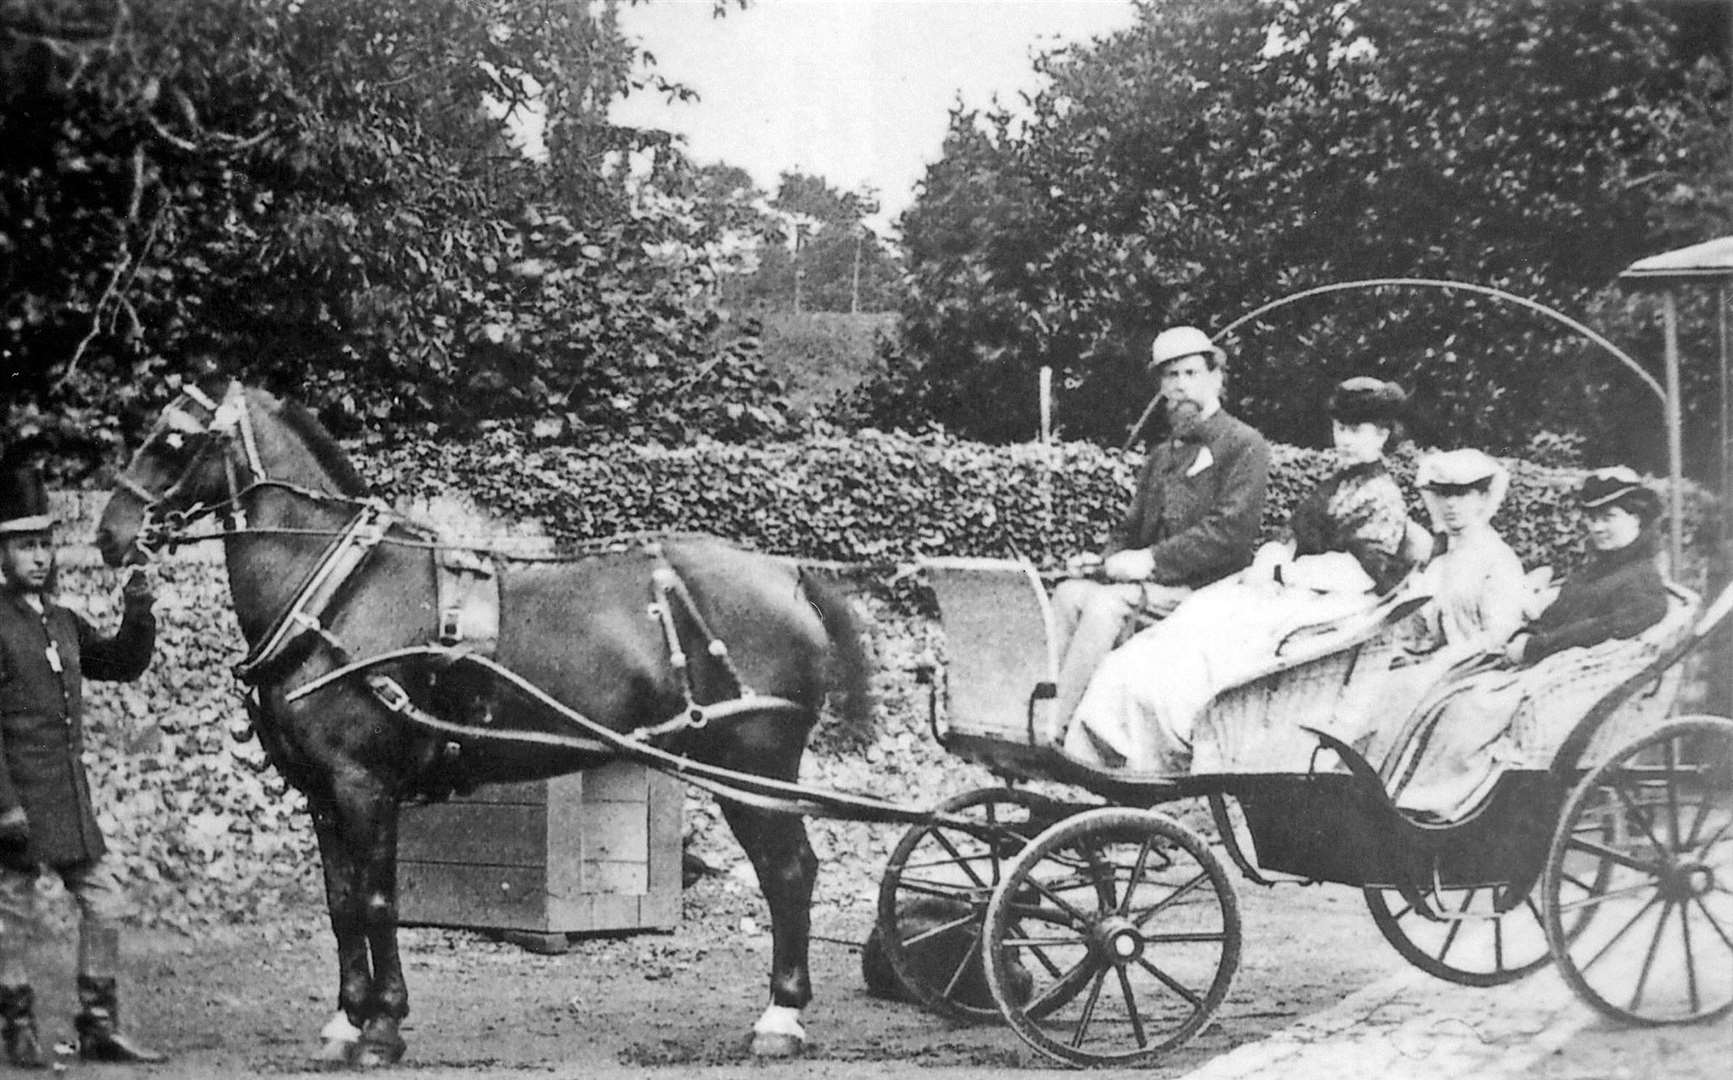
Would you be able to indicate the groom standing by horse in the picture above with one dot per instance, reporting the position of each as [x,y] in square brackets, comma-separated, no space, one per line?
[46,816]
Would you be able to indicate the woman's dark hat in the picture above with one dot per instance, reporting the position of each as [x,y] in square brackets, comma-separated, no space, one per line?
[1365,400]
[1619,486]
[23,498]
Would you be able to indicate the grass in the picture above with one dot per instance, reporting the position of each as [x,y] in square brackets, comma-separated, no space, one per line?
[818,355]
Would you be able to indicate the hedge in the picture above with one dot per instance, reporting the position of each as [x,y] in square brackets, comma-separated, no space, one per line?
[886,499]
[205,832]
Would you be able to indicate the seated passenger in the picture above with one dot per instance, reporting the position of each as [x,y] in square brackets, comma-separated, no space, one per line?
[1476,582]
[1620,592]
[1478,594]
[1345,546]
[1193,520]
[1470,729]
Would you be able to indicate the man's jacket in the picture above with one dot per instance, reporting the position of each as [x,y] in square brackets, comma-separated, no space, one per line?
[42,716]
[1199,500]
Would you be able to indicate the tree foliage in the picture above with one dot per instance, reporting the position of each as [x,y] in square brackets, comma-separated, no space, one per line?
[1222,153]
[812,249]
[327,195]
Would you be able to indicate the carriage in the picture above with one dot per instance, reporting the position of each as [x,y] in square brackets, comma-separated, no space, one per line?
[1078,905]
[387,661]
[1106,931]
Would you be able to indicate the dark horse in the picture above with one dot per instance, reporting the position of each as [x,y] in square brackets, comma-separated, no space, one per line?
[323,578]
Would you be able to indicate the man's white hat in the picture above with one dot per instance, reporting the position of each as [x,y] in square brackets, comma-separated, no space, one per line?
[1179,342]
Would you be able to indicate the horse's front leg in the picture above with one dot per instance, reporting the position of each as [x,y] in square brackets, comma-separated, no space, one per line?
[354,974]
[382,1037]
[787,870]
[367,815]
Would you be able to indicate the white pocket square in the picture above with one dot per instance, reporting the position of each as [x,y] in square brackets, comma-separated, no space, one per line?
[1203,461]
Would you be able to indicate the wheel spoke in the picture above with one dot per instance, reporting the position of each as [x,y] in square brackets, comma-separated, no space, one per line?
[1649,957]
[1690,961]
[971,953]
[1077,916]
[1638,812]
[1720,835]
[1600,898]
[933,932]
[1714,923]
[1038,948]
[966,865]
[1497,944]
[1672,778]
[1136,876]
[1189,938]
[1170,982]
[1131,1007]
[1455,926]
[1143,917]
[1614,940]
[1614,855]
[1089,1004]
[942,890]
[1060,989]
[1705,806]
[1043,942]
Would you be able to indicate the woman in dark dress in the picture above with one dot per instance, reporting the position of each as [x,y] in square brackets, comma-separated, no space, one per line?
[1514,716]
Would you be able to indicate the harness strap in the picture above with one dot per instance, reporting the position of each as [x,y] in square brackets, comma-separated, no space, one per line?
[307,610]
[670,590]
[763,792]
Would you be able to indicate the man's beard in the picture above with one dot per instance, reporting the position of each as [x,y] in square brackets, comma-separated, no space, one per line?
[1183,416]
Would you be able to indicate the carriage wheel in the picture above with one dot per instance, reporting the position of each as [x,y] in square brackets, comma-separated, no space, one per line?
[1473,944]
[934,893]
[1127,930]
[1645,841]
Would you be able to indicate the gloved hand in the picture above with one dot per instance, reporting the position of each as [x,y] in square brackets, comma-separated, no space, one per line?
[14,828]
[137,592]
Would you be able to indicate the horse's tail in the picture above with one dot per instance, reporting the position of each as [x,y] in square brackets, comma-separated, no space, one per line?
[850,676]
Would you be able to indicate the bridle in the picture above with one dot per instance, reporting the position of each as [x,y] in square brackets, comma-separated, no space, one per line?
[230,422]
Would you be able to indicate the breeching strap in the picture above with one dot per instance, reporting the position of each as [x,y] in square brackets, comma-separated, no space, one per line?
[762,792]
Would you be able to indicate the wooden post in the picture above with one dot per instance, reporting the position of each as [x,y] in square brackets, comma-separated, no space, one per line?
[1675,443]
[1726,536]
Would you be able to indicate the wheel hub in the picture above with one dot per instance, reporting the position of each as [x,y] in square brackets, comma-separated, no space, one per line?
[1686,881]
[1117,940]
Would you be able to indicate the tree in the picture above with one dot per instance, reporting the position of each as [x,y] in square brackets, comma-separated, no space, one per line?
[324,196]
[817,248]
[1220,154]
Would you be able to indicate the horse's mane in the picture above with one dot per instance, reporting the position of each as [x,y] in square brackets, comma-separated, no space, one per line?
[324,448]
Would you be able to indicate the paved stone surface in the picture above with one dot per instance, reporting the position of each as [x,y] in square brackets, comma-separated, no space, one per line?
[1414,1027]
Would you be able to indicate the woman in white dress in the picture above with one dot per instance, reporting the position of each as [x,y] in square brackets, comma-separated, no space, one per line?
[1345,547]
[1479,593]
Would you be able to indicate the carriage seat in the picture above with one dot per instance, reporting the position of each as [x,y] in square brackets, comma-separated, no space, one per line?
[1576,679]
[1331,677]
[1001,667]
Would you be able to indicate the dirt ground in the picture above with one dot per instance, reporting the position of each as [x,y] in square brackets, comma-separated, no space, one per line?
[248,1001]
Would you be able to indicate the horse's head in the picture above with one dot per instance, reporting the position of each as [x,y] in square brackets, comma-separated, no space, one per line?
[203,455]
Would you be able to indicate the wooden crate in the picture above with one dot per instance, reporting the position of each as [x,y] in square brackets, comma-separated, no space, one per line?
[593,852]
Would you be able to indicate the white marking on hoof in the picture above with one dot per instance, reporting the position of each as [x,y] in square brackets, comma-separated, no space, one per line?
[339,1029]
[778,1033]
[338,1039]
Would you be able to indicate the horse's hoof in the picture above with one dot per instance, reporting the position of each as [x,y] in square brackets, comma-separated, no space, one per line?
[334,1054]
[380,1045]
[377,1053]
[776,1044]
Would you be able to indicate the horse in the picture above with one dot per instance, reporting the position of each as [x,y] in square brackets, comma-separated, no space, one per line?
[323,578]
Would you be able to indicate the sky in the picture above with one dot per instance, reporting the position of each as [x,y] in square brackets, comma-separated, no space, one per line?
[855,91]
